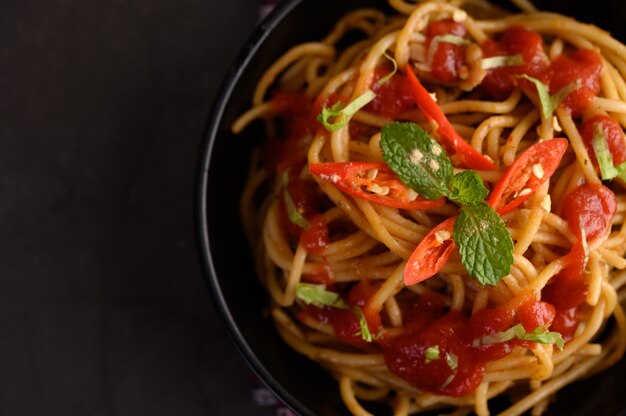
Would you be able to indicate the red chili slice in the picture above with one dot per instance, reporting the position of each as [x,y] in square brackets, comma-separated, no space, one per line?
[449,138]
[382,186]
[431,254]
[526,174]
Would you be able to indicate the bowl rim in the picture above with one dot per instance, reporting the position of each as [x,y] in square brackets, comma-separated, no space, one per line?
[241,62]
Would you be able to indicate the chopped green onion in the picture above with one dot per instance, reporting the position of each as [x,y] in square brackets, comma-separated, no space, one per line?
[392,73]
[499,61]
[550,102]
[317,295]
[431,354]
[603,154]
[340,114]
[364,332]
[538,335]
[292,211]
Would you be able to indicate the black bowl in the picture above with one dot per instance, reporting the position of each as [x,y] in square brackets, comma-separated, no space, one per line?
[228,260]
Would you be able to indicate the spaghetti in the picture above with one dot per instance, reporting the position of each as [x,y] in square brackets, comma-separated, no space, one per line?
[382,148]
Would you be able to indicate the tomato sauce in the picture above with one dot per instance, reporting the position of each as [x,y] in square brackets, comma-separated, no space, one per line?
[591,206]
[533,314]
[613,134]
[588,210]
[499,82]
[565,322]
[405,356]
[393,97]
[345,322]
[307,201]
[315,238]
[584,65]
[462,357]
[290,148]
[448,57]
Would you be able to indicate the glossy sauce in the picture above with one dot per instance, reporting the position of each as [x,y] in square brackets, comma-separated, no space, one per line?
[345,322]
[588,211]
[584,65]
[613,134]
[393,97]
[592,206]
[307,202]
[499,82]
[456,335]
[448,57]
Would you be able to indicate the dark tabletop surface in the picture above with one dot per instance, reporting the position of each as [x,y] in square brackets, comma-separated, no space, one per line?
[103,310]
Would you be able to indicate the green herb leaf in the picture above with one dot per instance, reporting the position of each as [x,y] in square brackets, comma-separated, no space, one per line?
[364,332]
[392,73]
[538,335]
[452,360]
[550,102]
[317,295]
[467,188]
[499,61]
[603,154]
[485,244]
[340,114]
[431,354]
[417,159]
[542,337]
[516,331]
[292,212]
[621,171]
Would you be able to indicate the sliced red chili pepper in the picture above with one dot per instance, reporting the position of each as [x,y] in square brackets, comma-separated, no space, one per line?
[374,182]
[449,138]
[526,174]
[431,254]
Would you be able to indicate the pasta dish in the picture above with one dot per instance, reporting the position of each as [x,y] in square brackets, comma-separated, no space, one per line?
[438,211]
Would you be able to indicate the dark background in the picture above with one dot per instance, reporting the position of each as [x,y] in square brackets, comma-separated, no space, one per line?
[103,310]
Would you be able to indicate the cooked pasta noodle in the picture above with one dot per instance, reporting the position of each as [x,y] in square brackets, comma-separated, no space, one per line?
[368,245]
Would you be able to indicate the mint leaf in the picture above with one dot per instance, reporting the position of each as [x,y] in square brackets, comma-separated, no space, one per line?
[538,335]
[340,114]
[431,354]
[485,244]
[317,295]
[550,102]
[417,159]
[292,211]
[516,331]
[467,188]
